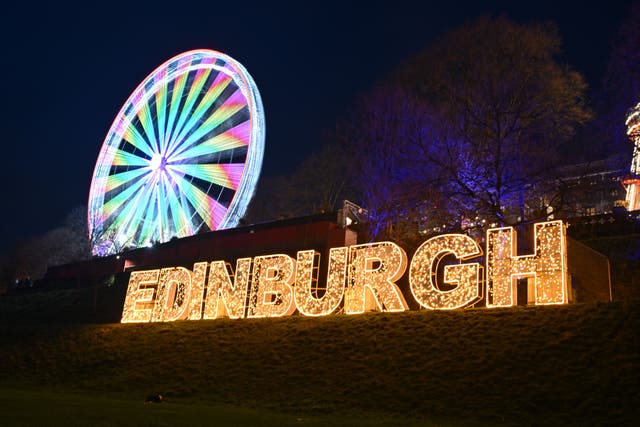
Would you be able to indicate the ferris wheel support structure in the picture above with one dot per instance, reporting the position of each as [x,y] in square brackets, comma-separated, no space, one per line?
[633,181]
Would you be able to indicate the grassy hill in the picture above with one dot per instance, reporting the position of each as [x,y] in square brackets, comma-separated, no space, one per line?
[554,365]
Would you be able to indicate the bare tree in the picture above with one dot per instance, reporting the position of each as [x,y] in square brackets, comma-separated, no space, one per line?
[507,105]
[319,184]
[390,135]
[462,134]
[77,230]
[65,244]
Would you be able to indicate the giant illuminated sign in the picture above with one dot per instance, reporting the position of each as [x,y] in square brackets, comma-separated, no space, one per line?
[359,278]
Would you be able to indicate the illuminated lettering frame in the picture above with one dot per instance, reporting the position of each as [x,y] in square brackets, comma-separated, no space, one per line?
[468,277]
[224,296]
[378,282]
[306,281]
[272,275]
[359,278]
[547,266]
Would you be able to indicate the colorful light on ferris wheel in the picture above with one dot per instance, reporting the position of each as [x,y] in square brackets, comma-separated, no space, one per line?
[183,154]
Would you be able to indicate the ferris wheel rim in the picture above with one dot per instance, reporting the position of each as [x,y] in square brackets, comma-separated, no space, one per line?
[146,90]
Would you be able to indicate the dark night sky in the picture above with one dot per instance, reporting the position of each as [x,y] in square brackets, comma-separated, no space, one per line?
[67,70]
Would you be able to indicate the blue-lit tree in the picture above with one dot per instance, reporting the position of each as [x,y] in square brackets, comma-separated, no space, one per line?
[508,102]
[472,128]
[393,141]
[319,184]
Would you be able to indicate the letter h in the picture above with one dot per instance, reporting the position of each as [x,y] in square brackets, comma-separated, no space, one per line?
[547,266]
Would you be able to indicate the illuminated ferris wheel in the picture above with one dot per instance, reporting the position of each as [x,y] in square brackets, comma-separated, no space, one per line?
[183,155]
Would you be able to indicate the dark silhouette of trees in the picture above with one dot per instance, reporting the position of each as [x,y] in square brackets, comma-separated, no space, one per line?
[507,104]
[76,229]
[390,136]
[318,184]
[468,126]
[65,244]
[620,90]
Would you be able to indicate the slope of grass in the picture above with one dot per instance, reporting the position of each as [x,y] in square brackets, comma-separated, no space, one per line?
[555,365]
[90,304]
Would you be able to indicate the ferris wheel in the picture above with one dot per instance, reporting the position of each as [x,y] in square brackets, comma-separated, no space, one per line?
[183,155]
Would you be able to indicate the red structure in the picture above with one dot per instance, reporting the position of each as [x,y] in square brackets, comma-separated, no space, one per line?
[320,232]
[589,270]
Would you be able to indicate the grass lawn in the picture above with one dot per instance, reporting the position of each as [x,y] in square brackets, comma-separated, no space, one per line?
[45,408]
[553,365]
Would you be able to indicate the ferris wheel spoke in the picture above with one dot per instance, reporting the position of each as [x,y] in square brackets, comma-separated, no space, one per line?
[125,216]
[226,175]
[212,94]
[116,180]
[135,138]
[176,96]
[130,212]
[183,226]
[127,131]
[230,107]
[148,220]
[209,209]
[235,137]
[144,115]
[162,212]
[129,216]
[167,205]
[192,95]
[161,100]
[124,158]
[119,199]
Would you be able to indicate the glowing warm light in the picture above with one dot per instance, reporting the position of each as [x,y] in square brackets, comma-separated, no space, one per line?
[198,278]
[365,275]
[225,298]
[373,271]
[140,298]
[547,266]
[465,277]
[172,299]
[312,300]
[183,154]
[271,293]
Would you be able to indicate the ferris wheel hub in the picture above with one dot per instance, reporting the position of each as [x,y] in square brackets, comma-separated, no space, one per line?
[158,161]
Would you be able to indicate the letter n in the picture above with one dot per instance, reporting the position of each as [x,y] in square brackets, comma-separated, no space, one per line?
[225,298]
